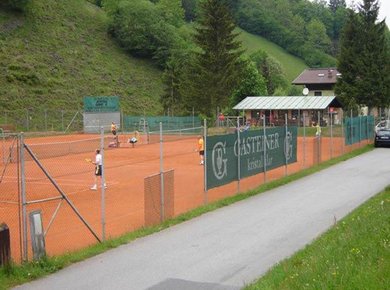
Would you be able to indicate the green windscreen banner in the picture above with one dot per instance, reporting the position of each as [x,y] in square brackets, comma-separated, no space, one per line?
[101,104]
[235,156]
[358,128]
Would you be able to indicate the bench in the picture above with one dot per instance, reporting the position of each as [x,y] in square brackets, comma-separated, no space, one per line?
[7,128]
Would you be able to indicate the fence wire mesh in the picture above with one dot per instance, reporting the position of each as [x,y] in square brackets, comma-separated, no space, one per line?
[159,205]
[9,190]
[60,181]
[43,120]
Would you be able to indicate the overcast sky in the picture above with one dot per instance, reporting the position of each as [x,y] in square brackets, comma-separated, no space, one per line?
[384,10]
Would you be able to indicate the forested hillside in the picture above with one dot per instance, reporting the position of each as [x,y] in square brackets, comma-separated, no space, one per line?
[56,52]
[307,29]
[52,53]
[292,65]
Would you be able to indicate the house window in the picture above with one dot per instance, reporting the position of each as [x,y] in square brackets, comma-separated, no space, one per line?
[317,93]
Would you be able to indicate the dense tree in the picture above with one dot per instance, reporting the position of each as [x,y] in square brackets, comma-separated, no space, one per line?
[171,11]
[146,29]
[336,4]
[214,74]
[364,59]
[271,70]
[252,83]
[339,19]
[14,4]
[171,99]
[173,77]
[316,35]
[189,7]
[349,63]
[288,22]
[375,83]
[134,24]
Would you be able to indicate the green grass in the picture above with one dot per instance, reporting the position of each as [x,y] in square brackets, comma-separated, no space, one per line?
[15,274]
[60,51]
[354,254]
[292,65]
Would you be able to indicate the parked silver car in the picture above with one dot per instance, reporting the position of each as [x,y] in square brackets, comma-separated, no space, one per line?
[382,137]
[384,124]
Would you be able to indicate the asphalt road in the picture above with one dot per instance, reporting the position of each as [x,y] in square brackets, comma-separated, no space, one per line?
[232,246]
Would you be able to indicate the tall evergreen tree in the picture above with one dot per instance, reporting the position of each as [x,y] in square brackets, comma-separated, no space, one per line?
[349,63]
[214,73]
[339,14]
[364,59]
[336,4]
[374,85]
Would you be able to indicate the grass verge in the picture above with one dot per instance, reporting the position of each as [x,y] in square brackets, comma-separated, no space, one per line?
[18,274]
[353,254]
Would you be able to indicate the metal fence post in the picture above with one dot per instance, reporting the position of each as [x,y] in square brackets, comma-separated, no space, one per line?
[304,140]
[238,155]
[122,123]
[360,131]
[319,147]
[23,197]
[264,151]
[62,120]
[342,136]
[205,160]
[45,120]
[331,134]
[27,121]
[162,174]
[285,144]
[103,185]
[366,129]
[351,129]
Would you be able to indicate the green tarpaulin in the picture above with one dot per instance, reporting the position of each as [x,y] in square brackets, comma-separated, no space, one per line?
[101,104]
[251,150]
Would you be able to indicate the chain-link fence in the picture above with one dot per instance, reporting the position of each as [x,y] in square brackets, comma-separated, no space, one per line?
[53,202]
[9,190]
[43,120]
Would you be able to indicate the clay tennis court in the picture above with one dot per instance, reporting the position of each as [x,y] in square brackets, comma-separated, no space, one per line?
[125,171]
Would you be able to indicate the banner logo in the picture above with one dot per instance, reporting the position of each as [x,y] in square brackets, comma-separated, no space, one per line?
[218,161]
[288,146]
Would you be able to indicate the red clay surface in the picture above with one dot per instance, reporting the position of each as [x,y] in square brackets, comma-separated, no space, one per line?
[125,171]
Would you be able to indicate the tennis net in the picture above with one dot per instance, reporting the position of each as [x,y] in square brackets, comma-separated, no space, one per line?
[57,149]
[173,135]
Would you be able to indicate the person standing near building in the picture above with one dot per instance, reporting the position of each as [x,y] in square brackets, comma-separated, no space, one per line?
[98,169]
[201,149]
[318,130]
